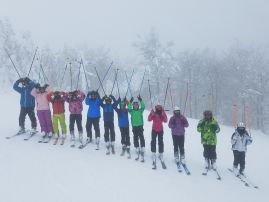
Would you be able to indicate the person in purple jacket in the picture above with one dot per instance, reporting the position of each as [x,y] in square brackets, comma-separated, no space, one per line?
[178,123]
[75,100]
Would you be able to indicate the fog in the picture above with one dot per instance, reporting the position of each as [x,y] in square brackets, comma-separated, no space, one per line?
[116,24]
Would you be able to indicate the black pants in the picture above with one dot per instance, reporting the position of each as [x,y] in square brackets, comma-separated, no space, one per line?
[95,123]
[75,118]
[178,142]
[138,135]
[125,136]
[239,158]
[210,152]
[109,130]
[154,136]
[24,111]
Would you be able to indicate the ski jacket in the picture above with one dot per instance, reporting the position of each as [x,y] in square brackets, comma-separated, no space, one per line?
[27,100]
[208,130]
[57,104]
[178,125]
[123,118]
[137,115]
[158,120]
[42,102]
[108,111]
[76,105]
[240,142]
[94,107]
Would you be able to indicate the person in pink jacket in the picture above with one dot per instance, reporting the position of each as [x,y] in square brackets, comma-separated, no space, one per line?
[158,117]
[40,93]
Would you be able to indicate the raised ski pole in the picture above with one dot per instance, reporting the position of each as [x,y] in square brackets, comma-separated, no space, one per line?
[117,83]
[70,68]
[186,98]
[63,76]
[129,83]
[116,76]
[101,82]
[150,95]
[78,74]
[12,63]
[32,62]
[142,82]
[171,96]
[166,90]
[85,74]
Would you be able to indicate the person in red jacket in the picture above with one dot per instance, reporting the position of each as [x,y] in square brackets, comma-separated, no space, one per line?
[158,117]
[57,99]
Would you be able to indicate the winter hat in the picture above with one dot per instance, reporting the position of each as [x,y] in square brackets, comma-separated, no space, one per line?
[176,108]
[241,125]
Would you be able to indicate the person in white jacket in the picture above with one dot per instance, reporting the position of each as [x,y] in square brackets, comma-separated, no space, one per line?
[240,139]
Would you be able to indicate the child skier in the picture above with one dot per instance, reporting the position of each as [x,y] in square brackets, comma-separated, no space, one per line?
[209,127]
[57,99]
[75,100]
[123,121]
[178,123]
[108,114]
[93,116]
[27,103]
[240,139]
[40,94]
[158,117]
[136,113]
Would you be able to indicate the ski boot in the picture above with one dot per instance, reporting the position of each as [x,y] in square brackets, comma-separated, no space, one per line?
[33,131]
[182,159]
[176,156]
[80,137]
[123,150]
[235,171]
[137,151]
[154,166]
[21,131]
[128,152]
[63,139]
[97,143]
[107,148]
[213,164]
[112,145]
[142,154]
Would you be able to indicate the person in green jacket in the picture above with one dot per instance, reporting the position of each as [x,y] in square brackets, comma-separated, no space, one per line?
[209,127]
[137,122]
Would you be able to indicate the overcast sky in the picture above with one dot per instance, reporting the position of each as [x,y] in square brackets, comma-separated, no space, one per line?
[116,23]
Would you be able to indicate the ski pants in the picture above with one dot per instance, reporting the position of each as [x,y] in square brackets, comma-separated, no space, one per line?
[239,158]
[95,123]
[138,132]
[178,142]
[30,112]
[125,136]
[154,135]
[210,152]
[109,131]
[44,117]
[75,118]
[59,118]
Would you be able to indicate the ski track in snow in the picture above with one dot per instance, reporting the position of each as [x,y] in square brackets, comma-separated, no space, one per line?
[37,172]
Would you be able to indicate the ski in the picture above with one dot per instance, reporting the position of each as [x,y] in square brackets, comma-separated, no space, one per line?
[185,168]
[30,135]
[163,165]
[62,141]
[244,180]
[55,141]
[154,166]
[217,173]
[82,146]
[47,140]
[17,134]
[179,169]
[73,144]
[205,171]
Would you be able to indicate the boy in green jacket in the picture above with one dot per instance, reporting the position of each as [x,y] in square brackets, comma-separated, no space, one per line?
[209,127]
[136,113]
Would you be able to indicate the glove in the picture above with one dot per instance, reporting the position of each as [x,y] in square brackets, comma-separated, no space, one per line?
[139,98]
[88,95]
[131,100]
[124,99]
[37,85]
[20,80]
[112,97]
[214,128]
[27,79]
[46,85]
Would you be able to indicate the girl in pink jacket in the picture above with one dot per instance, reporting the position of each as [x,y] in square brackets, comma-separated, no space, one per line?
[158,117]
[40,93]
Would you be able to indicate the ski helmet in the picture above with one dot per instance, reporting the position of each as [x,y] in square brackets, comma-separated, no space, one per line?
[241,125]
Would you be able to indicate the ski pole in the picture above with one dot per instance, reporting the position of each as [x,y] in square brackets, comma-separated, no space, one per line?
[32,62]
[85,74]
[186,98]
[116,76]
[70,68]
[12,63]
[166,90]
[129,83]
[63,76]
[142,82]
[78,74]
[150,95]
[118,86]
[171,96]
[101,82]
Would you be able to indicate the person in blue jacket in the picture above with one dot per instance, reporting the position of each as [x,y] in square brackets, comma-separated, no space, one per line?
[24,86]
[108,114]
[123,122]
[93,116]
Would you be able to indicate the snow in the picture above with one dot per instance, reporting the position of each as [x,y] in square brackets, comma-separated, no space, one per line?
[32,172]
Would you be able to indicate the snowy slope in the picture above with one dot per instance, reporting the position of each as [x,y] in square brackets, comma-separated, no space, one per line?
[32,172]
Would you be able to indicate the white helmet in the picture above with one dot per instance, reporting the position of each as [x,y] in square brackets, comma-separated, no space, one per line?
[241,125]
[176,108]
